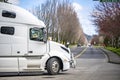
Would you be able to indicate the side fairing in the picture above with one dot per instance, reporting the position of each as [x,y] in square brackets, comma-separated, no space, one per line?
[57,51]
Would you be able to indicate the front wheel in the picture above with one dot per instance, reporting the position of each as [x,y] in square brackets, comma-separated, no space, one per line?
[53,66]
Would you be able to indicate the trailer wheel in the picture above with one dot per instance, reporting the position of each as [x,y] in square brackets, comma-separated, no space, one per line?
[53,66]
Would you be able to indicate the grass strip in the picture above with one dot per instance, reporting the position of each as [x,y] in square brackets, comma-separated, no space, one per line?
[115,50]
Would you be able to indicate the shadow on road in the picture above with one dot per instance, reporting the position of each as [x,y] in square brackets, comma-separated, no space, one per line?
[45,75]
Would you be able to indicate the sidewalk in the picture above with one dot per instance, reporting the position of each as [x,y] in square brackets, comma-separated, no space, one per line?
[112,57]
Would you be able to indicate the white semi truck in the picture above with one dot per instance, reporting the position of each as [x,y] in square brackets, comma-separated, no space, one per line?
[24,47]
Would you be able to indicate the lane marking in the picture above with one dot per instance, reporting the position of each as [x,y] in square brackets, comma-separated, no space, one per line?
[81,53]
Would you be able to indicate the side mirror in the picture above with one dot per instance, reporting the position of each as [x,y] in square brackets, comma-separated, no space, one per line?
[67,45]
[45,39]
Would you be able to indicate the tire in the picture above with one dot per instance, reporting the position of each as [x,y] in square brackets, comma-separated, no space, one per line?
[53,66]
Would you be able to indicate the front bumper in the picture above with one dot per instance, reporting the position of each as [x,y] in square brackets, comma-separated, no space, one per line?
[72,63]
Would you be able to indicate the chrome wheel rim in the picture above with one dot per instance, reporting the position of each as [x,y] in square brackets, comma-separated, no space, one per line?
[55,66]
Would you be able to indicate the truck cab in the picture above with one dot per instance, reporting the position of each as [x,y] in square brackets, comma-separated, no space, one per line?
[24,46]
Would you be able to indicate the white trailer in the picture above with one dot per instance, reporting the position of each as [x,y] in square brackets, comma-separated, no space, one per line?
[23,44]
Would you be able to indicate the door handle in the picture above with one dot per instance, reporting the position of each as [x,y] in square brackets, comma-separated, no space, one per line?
[30,51]
[18,52]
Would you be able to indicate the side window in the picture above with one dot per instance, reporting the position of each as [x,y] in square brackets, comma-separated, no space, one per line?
[36,34]
[8,14]
[7,30]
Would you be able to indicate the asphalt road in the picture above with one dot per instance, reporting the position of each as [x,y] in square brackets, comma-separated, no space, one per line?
[93,53]
[91,65]
[77,50]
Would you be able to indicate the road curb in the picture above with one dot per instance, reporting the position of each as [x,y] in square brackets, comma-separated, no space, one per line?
[109,60]
[81,53]
[106,55]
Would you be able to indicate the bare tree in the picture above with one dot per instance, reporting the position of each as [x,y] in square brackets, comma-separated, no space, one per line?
[61,20]
[47,13]
[69,23]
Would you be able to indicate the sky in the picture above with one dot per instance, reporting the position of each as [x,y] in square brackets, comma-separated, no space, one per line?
[83,8]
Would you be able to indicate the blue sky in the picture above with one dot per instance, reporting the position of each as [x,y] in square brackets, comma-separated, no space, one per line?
[82,7]
[84,15]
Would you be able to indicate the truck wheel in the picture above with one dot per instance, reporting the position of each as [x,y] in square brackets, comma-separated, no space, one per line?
[53,66]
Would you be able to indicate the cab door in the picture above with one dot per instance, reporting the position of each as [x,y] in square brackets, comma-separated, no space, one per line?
[36,42]
[36,49]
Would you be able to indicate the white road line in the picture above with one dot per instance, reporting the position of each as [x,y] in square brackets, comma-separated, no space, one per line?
[81,53]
